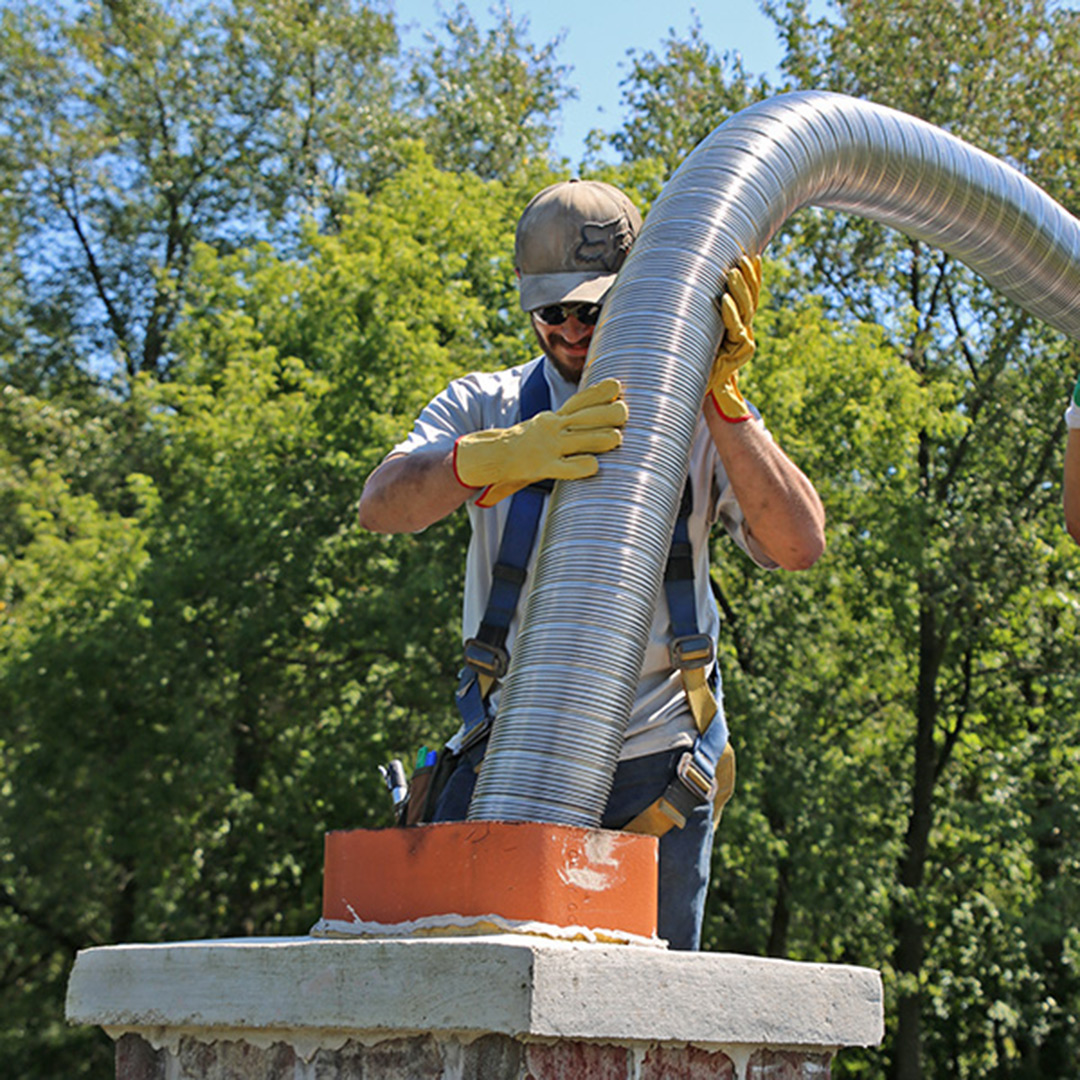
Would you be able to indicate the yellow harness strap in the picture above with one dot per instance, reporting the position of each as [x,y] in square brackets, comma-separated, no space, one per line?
[700,696]
[661,816]
[725,783]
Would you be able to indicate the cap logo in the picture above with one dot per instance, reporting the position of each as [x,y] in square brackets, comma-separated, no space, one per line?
[605,242]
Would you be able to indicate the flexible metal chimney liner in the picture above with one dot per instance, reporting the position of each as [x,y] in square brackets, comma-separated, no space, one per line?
[575,667]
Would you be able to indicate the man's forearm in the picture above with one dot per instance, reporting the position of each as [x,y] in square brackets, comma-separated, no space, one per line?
[409,492]
[781,507]
[1071,484]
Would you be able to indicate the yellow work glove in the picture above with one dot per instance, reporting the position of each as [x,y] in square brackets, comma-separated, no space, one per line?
[551,446]
[737,308]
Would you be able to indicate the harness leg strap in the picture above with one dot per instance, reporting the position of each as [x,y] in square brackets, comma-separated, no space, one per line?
[686,792]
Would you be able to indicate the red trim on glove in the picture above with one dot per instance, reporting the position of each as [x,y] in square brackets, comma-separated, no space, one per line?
[457,477]
[453,463]
[724,416]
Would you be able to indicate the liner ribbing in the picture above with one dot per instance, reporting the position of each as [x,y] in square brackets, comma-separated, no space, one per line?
[598,574]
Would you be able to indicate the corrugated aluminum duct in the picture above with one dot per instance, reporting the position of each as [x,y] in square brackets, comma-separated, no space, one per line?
[571,686]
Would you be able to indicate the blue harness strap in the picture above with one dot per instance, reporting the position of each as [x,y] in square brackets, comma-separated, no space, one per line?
[689,647]
[695,780]
[485,654]
[679,573]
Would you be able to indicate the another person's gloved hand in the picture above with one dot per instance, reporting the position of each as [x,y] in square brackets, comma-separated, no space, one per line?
[551,446]
[1072,413]
[737,308]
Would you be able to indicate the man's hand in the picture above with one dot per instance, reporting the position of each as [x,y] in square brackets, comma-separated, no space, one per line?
[551,446]
[737,308]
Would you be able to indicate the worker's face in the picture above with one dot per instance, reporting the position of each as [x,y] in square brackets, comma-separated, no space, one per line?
[564,332]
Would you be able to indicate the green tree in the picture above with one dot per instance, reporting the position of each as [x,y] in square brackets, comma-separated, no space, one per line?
[676,98]
[487,102]
[202,663]
[941,621]
[984,508]
[137,130]
[232,276]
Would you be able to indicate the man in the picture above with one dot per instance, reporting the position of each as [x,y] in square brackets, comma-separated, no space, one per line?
[1071,479]
[472,446]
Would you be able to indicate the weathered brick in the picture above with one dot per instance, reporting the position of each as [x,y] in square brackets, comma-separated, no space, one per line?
[417,1058]
[347,1063]
[136,1059]
[686,1063]
[576,1061]
[493,1057]
[788,1065]
[235,1060]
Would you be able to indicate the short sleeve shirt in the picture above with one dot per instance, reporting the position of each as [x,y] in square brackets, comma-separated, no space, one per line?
[661,718]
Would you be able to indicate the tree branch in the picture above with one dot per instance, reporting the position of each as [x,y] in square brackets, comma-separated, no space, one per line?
[41,923]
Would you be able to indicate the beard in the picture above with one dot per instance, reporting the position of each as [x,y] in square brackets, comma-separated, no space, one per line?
[554,340]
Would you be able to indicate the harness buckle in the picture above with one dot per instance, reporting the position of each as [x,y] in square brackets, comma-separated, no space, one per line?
[692,651]
[471,736]
[694,780]
[486,659]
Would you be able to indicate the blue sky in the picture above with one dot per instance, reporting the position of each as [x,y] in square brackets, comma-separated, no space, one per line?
[598,34]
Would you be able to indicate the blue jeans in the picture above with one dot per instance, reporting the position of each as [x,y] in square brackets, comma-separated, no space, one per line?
[685,854]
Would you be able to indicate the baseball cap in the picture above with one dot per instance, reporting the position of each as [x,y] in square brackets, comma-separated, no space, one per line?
[571,240]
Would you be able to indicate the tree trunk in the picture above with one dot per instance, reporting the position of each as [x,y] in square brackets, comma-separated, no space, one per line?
[781,914]
[909,926]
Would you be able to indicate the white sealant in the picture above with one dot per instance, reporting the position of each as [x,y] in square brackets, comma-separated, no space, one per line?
[476,925]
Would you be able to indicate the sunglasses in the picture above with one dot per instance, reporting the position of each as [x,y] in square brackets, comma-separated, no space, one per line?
[557,314]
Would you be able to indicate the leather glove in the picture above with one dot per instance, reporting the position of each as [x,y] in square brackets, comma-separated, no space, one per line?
[1072,413]
[551,446]
[737,308]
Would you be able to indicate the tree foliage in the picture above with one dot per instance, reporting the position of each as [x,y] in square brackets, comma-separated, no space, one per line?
[950,586]
[487,102]
[675,99]
[204,660]
[137,131]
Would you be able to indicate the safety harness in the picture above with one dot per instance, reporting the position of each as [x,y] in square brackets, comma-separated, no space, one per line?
[486,658]
[706,772]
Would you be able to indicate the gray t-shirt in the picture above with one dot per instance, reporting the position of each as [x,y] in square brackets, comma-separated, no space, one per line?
[661,717]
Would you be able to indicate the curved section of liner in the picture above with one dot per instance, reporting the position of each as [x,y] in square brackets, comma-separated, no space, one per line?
[598,575]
